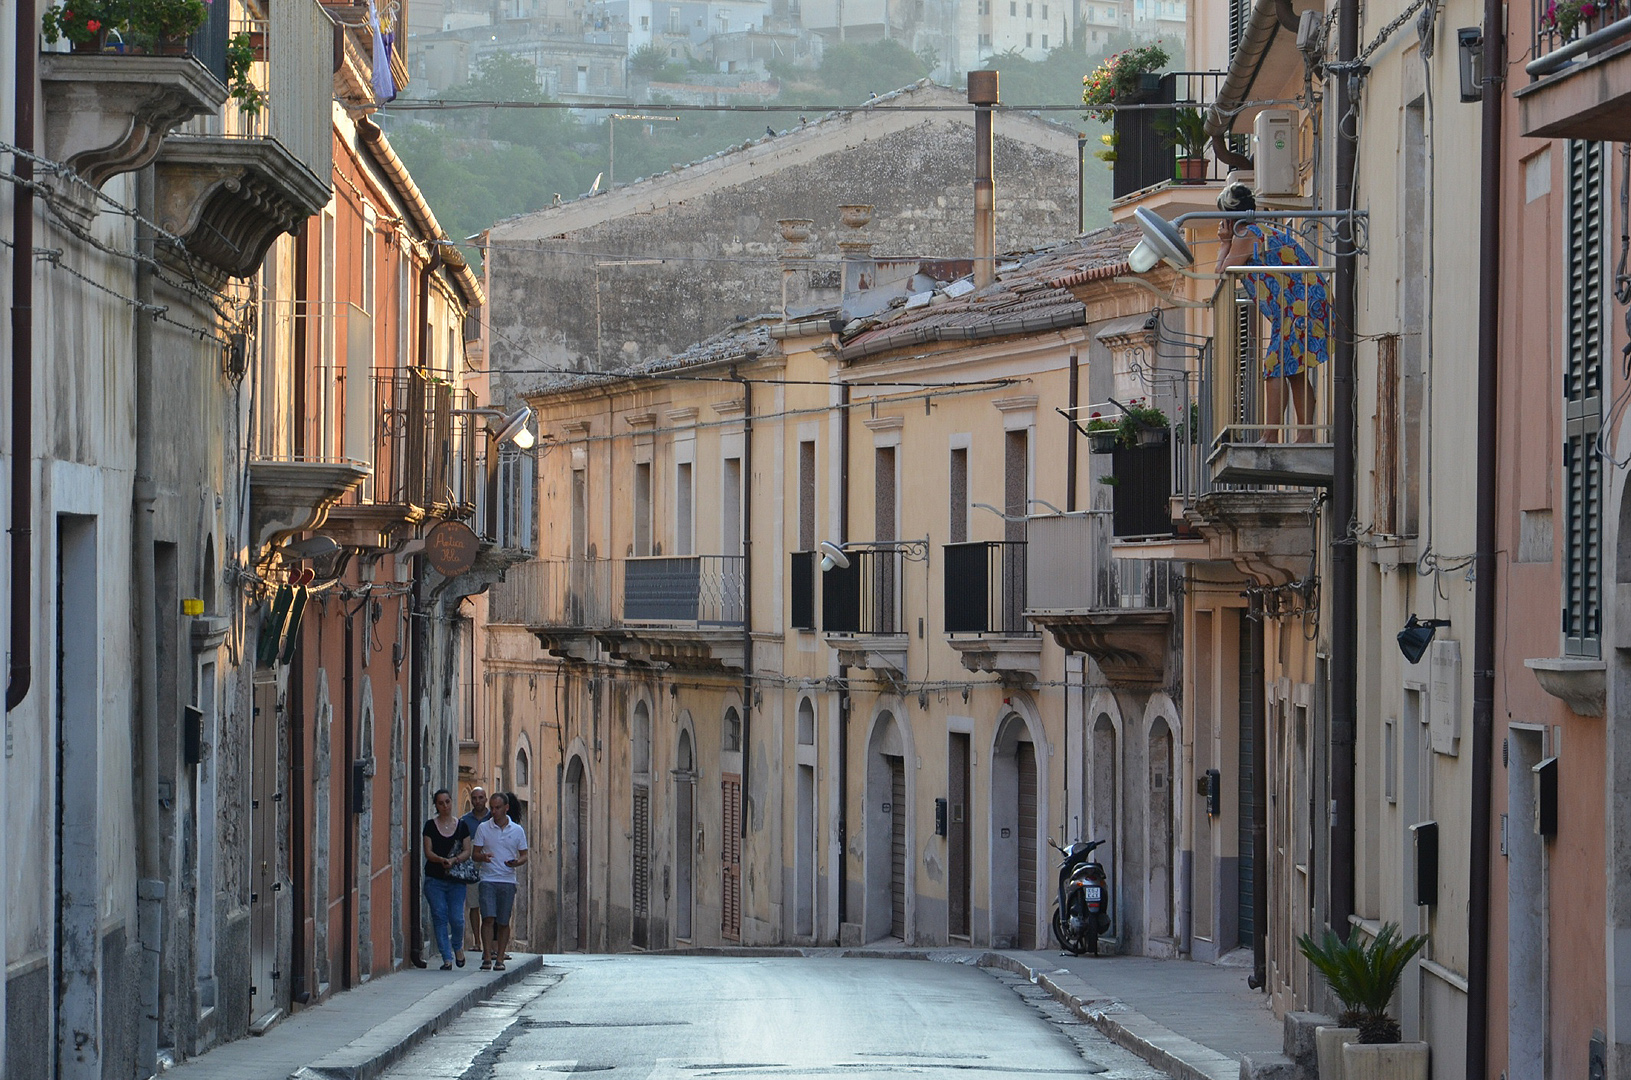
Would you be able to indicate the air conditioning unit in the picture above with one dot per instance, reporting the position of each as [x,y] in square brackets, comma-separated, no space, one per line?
[1275,162]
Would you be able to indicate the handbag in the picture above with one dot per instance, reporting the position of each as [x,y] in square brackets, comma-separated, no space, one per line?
[464,871]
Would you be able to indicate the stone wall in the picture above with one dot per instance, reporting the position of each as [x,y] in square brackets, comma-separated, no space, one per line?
[663,263]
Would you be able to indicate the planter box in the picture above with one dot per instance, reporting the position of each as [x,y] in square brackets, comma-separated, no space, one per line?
[1101,442]
[1142,490]
[1328,1045]
[1385,1061]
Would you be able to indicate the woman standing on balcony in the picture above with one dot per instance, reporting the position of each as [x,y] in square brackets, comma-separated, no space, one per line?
[1296,307]
[447,844]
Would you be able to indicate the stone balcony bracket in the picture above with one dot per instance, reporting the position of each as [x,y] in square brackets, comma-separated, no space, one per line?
[1267,535]
[1015,658]
[1578,682]
[885,655]
[1129,644]
[288,497]
[229,198]
[697,650]
[107,114]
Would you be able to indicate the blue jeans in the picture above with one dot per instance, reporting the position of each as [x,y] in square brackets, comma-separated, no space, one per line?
[446,900]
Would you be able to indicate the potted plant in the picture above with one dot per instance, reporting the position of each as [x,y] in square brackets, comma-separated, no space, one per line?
[1566,15]
[1364,978]
[1102,434]
[167,22]
[1120,79]
[85,24]
[240,55]
[1184,129]
[1141,463]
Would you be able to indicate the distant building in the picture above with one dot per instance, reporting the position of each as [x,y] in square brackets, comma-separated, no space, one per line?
[684,27]
[581,60]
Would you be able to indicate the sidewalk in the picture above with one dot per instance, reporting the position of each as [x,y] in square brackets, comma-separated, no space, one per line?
[358,1034]
[1194,1020]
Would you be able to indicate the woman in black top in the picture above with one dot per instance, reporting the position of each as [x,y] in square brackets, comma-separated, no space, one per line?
[446,842]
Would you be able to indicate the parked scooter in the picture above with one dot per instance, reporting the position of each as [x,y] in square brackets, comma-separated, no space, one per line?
[1082,911]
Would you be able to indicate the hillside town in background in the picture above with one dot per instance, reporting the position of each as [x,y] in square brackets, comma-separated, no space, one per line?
[810,532]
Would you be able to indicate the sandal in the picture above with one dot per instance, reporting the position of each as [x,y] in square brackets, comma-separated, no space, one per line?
[446,966]
[486,965]
[499,966]
[458,959]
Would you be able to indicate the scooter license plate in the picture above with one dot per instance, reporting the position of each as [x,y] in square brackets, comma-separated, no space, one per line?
[1092,893]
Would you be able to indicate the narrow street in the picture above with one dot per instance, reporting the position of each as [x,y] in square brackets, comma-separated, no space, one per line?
[667,1016]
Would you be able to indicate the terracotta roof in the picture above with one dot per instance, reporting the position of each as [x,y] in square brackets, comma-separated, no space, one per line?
[1030,295]
[745,341]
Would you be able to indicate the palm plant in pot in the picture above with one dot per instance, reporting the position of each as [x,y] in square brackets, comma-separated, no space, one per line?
[1364,978]
[1185,129]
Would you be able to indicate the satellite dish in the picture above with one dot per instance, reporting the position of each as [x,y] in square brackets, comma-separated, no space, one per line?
[832,555]
[1161,243]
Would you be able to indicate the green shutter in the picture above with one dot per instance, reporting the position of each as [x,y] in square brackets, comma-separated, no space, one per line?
[1582,403]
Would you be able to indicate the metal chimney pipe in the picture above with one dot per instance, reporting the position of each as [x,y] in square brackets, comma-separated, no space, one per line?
[982,94]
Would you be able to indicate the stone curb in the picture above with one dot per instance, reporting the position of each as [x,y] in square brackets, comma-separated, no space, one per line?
[1181,1058]
[369,1055]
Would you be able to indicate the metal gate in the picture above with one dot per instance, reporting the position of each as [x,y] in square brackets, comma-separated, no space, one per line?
[957,898]
[897,847]
[642,865]
[1248,706]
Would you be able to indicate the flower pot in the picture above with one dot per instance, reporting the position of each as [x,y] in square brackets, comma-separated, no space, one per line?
[171,46]
[1154,436]
[257,44]
[95,44]
[1384,1061]
[1192,170]
[1101,442]
[1328,1044]
[1149,82]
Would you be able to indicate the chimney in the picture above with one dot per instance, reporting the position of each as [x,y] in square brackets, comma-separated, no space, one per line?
[796,255]
[982,94]
[859,269]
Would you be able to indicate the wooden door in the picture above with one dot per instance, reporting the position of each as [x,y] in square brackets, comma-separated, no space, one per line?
[1025,759]
[641,900]
[266,995]
[897,847]
[957,896]
[730,847]
[685,846]
[583,862]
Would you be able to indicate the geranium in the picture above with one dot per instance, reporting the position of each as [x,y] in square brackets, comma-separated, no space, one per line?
[1116,78]
[81,22]
[1565,15]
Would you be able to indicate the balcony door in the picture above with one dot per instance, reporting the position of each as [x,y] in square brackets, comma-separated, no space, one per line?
[957,789]
[574,917]
[685,844]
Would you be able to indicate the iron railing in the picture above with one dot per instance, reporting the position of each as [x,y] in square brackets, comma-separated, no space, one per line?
[1070,568]
[801,577]
[505,494]
[1251,402]
[865,598]
[699,590]
[566,593]
[1144,153]
[1553,30]
[985,587]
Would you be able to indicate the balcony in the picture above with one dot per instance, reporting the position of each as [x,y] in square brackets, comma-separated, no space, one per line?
[863,607]
[229,195]
[686,611]
[1148,165]
[1118,611]
[985,589]
[1264,429]
[1581,77]
[107,114]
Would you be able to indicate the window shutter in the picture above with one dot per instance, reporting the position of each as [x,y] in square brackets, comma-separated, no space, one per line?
[1582,403]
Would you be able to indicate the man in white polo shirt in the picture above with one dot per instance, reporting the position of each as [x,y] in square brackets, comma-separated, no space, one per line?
[501,847]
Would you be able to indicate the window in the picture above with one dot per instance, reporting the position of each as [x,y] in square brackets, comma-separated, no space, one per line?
[884,493]
[1044,41]
[985,41]
[957,523]
[1029,13]
[640,737]
[523,770]
[730,508]
[645,22]
[1013,8]
[1027,41]
[642,508]
[1582,401]
[684,531]
[732,741]
[368,241]
[807,495]
[673,24]
[1044,11]
[580,513]
[1016,483]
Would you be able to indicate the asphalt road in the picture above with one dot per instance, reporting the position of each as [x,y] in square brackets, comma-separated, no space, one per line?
[664,1017]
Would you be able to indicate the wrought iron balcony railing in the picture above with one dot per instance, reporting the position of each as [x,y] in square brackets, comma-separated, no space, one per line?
[865,598]
[696,590]
[985,588]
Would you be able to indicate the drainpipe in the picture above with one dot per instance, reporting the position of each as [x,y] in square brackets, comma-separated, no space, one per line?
[1081,183]
[982,94]
[843,672]
[1344,555]
[150,890]
[21,641]
[1483,675]
[1070,434]
[348,856]
[417,660]
[747,592]
[1260,808]
[299,990]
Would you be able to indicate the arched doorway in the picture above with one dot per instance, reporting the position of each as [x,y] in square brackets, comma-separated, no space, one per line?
[1158,894]
[640,876]
[886,825]
[1014,800]
[1103,777]
[730,826]
[684,834]
[574,920]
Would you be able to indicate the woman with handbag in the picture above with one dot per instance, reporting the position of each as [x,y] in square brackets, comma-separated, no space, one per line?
[448,870]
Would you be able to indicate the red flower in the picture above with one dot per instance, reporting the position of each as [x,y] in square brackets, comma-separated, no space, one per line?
[93,25]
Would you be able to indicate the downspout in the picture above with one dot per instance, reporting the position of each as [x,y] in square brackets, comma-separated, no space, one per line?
[747,593]
[21,641]
[150,890]
[348,856]
[299,991]
[1344,553]
[1260,808]
[1483,675]
[416,755]
[843,672]
[1070,435]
